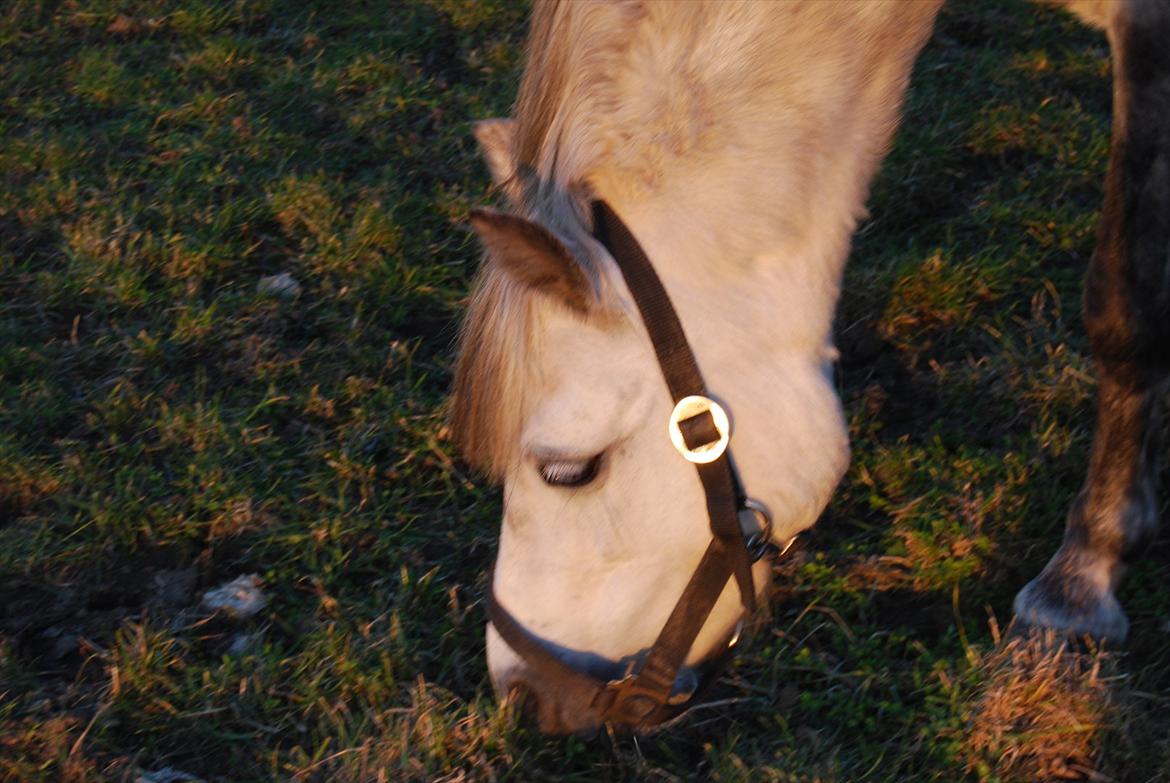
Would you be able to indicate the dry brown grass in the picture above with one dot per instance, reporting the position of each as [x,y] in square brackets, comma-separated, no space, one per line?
[1049,712]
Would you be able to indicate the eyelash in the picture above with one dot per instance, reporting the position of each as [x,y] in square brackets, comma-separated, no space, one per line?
[570,473]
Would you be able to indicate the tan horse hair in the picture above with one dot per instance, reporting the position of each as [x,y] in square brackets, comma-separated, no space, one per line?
[570,121]
[496,343]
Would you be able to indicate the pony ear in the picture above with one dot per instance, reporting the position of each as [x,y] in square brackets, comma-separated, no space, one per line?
[495,142]
[534,256]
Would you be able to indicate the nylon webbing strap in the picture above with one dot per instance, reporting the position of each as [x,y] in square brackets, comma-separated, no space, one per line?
[678,364]
[681,372]
[547,666]
[687,619]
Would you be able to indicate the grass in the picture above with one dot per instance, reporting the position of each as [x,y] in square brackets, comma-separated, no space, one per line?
[167,426]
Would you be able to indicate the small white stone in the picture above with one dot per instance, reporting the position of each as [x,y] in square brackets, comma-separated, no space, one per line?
[283,285]
[240,598]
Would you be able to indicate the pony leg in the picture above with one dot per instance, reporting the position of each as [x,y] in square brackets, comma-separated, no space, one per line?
[1127,318]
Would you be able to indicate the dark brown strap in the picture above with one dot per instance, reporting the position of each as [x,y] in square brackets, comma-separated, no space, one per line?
[727,555]
[699,430]
[641,700]
[680,370]
[547,666]
[686,620]
[678,364]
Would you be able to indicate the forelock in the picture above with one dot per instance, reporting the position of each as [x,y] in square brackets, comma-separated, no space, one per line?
[499,356]
[493,371]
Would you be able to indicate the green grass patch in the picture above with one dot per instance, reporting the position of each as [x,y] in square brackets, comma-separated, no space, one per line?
[167,424]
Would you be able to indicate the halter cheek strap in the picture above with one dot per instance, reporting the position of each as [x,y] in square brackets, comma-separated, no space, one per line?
[700,430]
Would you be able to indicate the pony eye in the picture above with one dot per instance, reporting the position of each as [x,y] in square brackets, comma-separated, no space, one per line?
[570,472]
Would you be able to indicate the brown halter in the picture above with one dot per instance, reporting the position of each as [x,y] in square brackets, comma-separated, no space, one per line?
[700,430]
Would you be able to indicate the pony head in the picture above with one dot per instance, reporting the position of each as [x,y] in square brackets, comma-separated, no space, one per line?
[559,396]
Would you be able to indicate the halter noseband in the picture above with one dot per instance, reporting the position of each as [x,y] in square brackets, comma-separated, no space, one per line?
[700,431]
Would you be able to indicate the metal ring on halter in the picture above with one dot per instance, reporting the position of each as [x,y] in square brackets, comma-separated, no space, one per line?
[759,541]
[697,405]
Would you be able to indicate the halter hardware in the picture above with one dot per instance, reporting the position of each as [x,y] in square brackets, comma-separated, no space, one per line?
[758,539]
[699,429]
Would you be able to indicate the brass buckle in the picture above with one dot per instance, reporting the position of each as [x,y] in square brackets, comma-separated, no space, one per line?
[696,405]
[629,702]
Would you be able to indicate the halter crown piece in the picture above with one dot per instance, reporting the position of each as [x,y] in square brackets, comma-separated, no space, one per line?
[700,430]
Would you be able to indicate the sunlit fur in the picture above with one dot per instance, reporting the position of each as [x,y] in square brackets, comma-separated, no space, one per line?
[741,163]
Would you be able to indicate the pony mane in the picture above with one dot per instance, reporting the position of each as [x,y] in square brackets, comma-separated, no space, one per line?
[574,53]
[571,53]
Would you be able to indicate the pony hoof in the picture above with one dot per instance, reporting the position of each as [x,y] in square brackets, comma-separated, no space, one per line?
[1070,604]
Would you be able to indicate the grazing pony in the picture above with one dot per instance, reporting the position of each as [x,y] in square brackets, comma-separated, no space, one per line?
[731,144]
